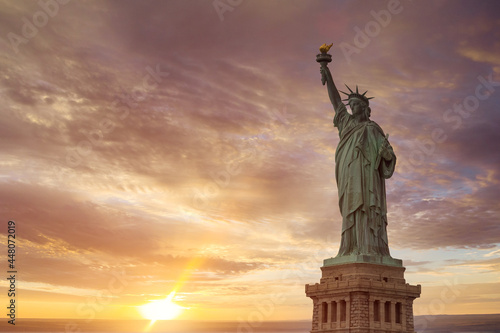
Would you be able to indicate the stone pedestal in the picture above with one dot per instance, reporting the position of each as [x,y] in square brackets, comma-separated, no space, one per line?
[362,297]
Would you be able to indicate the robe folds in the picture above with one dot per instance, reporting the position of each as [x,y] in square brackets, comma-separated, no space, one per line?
[360,172]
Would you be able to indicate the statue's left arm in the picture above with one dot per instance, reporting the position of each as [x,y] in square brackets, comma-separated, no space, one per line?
[386,150]
[388,157]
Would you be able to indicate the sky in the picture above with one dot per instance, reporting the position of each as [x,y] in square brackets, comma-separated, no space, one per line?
[151,147]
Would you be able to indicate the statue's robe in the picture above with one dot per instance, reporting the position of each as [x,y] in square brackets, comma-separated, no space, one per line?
[361,172]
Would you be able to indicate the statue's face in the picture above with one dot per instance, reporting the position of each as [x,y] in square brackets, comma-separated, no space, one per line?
[357,106]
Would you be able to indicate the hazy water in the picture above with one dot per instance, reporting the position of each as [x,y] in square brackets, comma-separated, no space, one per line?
[423,324]
[173,326]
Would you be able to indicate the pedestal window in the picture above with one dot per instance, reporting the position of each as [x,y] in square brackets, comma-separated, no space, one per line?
[376,310]
[334,312]
[387,312]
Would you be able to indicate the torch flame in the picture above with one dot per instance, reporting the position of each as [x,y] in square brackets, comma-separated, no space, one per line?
[324,48]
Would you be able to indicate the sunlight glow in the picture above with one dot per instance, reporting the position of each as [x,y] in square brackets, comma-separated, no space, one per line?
[163,309]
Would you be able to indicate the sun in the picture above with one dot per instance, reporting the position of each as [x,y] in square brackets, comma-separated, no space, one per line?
[163,309]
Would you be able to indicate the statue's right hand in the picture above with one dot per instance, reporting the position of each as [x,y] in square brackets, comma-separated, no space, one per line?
[323,75]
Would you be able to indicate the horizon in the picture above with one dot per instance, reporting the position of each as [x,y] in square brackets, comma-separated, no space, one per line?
[450,323]
[180,155]
[229,321]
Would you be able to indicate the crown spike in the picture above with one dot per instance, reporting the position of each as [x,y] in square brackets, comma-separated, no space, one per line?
[364,93]
[344,92]
[352,92]
[357,92]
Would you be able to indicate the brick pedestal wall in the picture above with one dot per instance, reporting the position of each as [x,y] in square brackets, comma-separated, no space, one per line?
[409,315]
[359,310]
[315,325]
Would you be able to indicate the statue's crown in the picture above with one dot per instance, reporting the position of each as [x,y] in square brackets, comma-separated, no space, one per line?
[357,95]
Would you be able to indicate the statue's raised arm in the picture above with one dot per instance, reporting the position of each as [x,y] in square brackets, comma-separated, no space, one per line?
[326,77]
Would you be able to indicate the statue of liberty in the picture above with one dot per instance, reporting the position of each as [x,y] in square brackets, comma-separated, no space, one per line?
[363,160]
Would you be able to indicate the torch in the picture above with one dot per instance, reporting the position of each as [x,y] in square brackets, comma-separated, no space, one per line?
[324,58]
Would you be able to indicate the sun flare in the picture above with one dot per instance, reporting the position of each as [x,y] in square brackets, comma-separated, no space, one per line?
[163,309]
